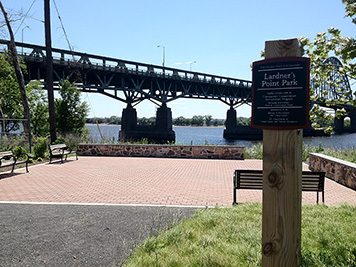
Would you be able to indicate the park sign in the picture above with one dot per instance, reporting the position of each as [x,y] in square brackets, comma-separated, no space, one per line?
[280,93]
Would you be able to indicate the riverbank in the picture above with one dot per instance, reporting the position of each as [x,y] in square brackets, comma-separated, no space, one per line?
[214,136]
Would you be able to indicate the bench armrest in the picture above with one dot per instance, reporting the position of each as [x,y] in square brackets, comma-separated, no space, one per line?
[28,156]
[73,149]
[7,157]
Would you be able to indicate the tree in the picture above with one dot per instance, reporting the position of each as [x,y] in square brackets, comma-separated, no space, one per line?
[70,111]
[208,120]
[18,72]
[10,100]
[243,121]
[197,120]
[38,108]
[326,44]
[180,121]
[114,120]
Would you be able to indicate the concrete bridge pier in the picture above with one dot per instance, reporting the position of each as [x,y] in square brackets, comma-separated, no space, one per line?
[234,132]
[128,123]
[164,125]
[162,132]
[231,119]
[339,124]
[230,124]
[128,118]
[353,121]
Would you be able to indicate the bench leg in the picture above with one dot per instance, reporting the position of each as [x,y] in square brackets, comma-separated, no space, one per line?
[317,197]
[13,167]
[234,196]
[26,166]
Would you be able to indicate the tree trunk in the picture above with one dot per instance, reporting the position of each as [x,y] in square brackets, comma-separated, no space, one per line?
[2,122]
[19,75]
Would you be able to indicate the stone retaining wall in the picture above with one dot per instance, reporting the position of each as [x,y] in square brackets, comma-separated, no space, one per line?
[341,171]
[162,151]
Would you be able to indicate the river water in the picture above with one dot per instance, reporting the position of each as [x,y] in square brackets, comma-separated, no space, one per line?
[214,135]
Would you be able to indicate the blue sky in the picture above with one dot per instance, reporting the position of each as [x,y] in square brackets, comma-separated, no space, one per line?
[224,37]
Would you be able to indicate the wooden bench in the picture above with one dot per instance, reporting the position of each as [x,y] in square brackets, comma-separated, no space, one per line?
[59,151]
[8,159]
[252,179]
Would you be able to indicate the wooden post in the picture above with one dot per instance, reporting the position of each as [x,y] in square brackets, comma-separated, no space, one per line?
[282,178]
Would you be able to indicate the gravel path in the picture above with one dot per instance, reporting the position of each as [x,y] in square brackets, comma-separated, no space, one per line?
[78,235]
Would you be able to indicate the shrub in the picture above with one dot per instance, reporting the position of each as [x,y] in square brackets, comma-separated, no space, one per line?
[59,140]
[19,151]
[254,152]
[40,148]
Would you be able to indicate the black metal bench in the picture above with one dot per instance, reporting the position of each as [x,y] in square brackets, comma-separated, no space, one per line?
[252,179]
[8,159]
[59,151]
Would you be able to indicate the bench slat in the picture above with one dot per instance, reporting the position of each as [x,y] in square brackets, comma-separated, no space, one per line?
[253,179]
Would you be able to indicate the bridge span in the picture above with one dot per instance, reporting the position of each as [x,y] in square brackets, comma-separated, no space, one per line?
[133,82]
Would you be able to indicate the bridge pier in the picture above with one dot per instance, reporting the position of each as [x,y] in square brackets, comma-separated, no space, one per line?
[339,124]
[162,132]
[353,121]
[128,118]
[231,119]
[234,132]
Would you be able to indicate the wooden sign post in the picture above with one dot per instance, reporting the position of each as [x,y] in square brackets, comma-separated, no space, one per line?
[282,88]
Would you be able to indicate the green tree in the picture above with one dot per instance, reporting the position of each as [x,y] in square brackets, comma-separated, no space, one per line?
[18,70]
[10,99]
[208,120]
[243,121]
[197,120]
[114,120]
[70,111]
[325,44]
[38,102]
[182,121]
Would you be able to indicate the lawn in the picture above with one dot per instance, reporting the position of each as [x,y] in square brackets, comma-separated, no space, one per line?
[232,237]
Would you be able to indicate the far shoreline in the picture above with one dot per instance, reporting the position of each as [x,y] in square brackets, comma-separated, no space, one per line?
[106,124]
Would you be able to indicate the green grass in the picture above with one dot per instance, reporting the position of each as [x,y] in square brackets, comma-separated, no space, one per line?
[232,237]
[256,152]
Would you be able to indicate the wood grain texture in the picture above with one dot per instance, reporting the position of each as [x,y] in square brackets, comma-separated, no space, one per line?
[282,177]
[282,48]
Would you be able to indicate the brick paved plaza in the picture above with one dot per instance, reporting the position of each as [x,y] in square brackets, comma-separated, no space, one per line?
[156,181]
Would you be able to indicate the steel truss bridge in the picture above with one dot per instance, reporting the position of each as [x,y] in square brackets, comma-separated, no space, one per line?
[336,87]
[137,81]
[133,82]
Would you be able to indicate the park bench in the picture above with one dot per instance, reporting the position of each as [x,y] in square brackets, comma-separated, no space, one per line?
[252,179]
[59,151]
[8,159]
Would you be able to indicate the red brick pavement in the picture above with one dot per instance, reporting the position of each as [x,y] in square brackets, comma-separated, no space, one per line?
[157,181]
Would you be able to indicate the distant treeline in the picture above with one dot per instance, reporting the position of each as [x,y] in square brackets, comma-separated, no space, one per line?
[197,120]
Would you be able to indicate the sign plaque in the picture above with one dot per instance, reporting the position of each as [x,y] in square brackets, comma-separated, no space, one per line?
[280,93]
